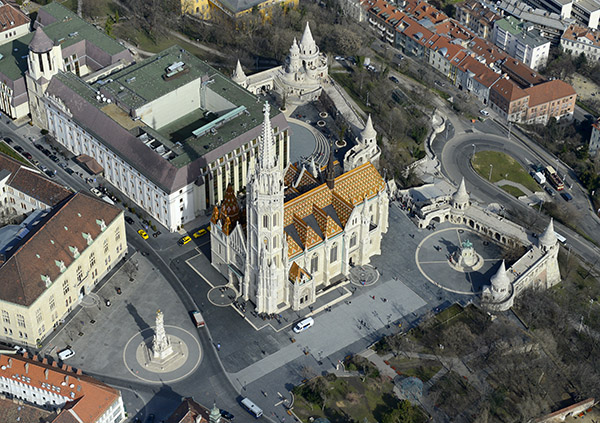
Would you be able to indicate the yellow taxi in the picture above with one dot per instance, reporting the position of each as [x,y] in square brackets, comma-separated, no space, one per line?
[199,233]
[184,240]
[143,234]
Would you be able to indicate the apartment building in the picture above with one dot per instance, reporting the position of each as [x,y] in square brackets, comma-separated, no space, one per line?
[13,23]
[522,41]
[551,25]
[478,17]
[577,40]
[595,139]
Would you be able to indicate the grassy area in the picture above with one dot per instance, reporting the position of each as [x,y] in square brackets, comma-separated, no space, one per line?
[503,167]
[441,93]
[4,148]
[344,80]
[447,314]
[587,107]
[423,369]
[349,398]
[514,191]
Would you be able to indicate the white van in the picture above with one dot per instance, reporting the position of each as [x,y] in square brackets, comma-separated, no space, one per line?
[252,408]
[66,353]
[304,324]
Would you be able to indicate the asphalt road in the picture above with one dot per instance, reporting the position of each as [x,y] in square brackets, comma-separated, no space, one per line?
[455,156]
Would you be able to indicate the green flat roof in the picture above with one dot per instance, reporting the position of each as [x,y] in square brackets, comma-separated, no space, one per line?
[69,29]
[511,25]
[149,84]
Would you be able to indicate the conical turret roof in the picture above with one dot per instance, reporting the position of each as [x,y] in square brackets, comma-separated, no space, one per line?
[40,43]
[307,38]
[238,73]
[461,195]
[369,132]
[500,279]
[548,237]
[294,48]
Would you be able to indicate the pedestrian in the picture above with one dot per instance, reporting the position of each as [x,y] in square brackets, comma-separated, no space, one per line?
[218,347]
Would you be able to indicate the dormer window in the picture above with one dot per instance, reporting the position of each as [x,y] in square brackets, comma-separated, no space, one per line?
[74,251]
[46,280]
[61,265]
[87,237]
[102,224]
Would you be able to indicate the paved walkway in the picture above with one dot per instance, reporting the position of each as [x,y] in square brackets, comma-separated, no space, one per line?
[345,105]
[525,190]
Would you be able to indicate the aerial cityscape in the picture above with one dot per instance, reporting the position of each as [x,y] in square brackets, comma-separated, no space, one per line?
[299,210]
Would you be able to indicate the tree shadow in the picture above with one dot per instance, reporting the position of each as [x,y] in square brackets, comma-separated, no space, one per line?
[162,405]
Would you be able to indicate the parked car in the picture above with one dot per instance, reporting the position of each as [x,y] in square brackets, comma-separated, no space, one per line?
[484,112]
[199,233]
[19,148]
[96,192]
[42,167]
[227,415]
[184,240]
[35,162]
[143,234]
[394,79]
[566,196]
[8,140]
[27,155]
[39,146]
[63,165]
[46,152]
[69,171]
[54,158]
[549,191]
[50,173]
[129,220]
[66,353]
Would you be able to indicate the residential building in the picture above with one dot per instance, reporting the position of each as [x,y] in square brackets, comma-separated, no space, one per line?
[552,99]
[442,54]
[577,40]
[170,132]
[595,139]
[522,41]
[563,8]
[14,23]
[587,13]
[476,77]
[477,16]
[75,397]
[54,258]
[234,9]
[301,232]
[521,74]
[509,100]
[353,9]
[68,43]
[13,410]
[189,411]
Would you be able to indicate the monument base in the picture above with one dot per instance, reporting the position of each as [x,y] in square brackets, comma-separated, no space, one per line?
[461,266]
[168,363]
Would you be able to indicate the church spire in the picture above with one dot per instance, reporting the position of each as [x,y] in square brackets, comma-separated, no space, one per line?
[266,147]
[369,132]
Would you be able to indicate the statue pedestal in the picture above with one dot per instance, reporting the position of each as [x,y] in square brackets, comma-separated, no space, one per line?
[466,259]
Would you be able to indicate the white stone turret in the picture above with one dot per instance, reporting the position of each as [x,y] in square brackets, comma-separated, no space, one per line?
[500,284]
[215,415]
[239,77]
[294,62]
[368,135]
[313,167]
[548,238]
[308,46]
[264,275]
[460,199]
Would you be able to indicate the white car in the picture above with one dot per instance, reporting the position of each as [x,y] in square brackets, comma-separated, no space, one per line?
[96,192]
[484,112]
[66,353]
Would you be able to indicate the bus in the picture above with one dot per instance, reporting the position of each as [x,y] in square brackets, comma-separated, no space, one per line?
[560,238]
[252,408]
[553,178]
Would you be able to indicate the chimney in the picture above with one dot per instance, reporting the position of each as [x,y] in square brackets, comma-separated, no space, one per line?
[35,357]
[69,369]
[64,367]
[54,364]
[25,354]
[44,360]
[79,372]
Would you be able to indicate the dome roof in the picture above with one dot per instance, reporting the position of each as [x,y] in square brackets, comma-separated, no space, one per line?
[500,279]
[40,43]
[461,195]
[369,132]
[548,237]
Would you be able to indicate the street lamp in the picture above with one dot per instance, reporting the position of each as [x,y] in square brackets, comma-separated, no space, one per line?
[491,167]
[473,149]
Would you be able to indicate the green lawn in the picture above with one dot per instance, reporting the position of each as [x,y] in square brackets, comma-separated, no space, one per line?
[4,148]
[514,191]
[423,369]
[504,167]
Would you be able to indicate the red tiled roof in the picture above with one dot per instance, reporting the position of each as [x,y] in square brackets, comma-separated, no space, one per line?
[549,91]
[88,397]
[576,33]
[11,18]
[508,90]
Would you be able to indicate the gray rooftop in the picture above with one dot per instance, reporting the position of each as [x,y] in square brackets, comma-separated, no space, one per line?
[115,128]
[65,28]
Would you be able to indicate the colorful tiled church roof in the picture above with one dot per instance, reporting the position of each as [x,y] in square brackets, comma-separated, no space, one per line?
[229,214]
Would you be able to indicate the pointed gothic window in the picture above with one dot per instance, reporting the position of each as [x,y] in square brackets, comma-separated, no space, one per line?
[333,253]
[275,219]
[353,240]
[266,221]
[314,263]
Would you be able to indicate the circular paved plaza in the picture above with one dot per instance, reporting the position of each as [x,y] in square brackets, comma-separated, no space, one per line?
[433,260]
[189,355]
